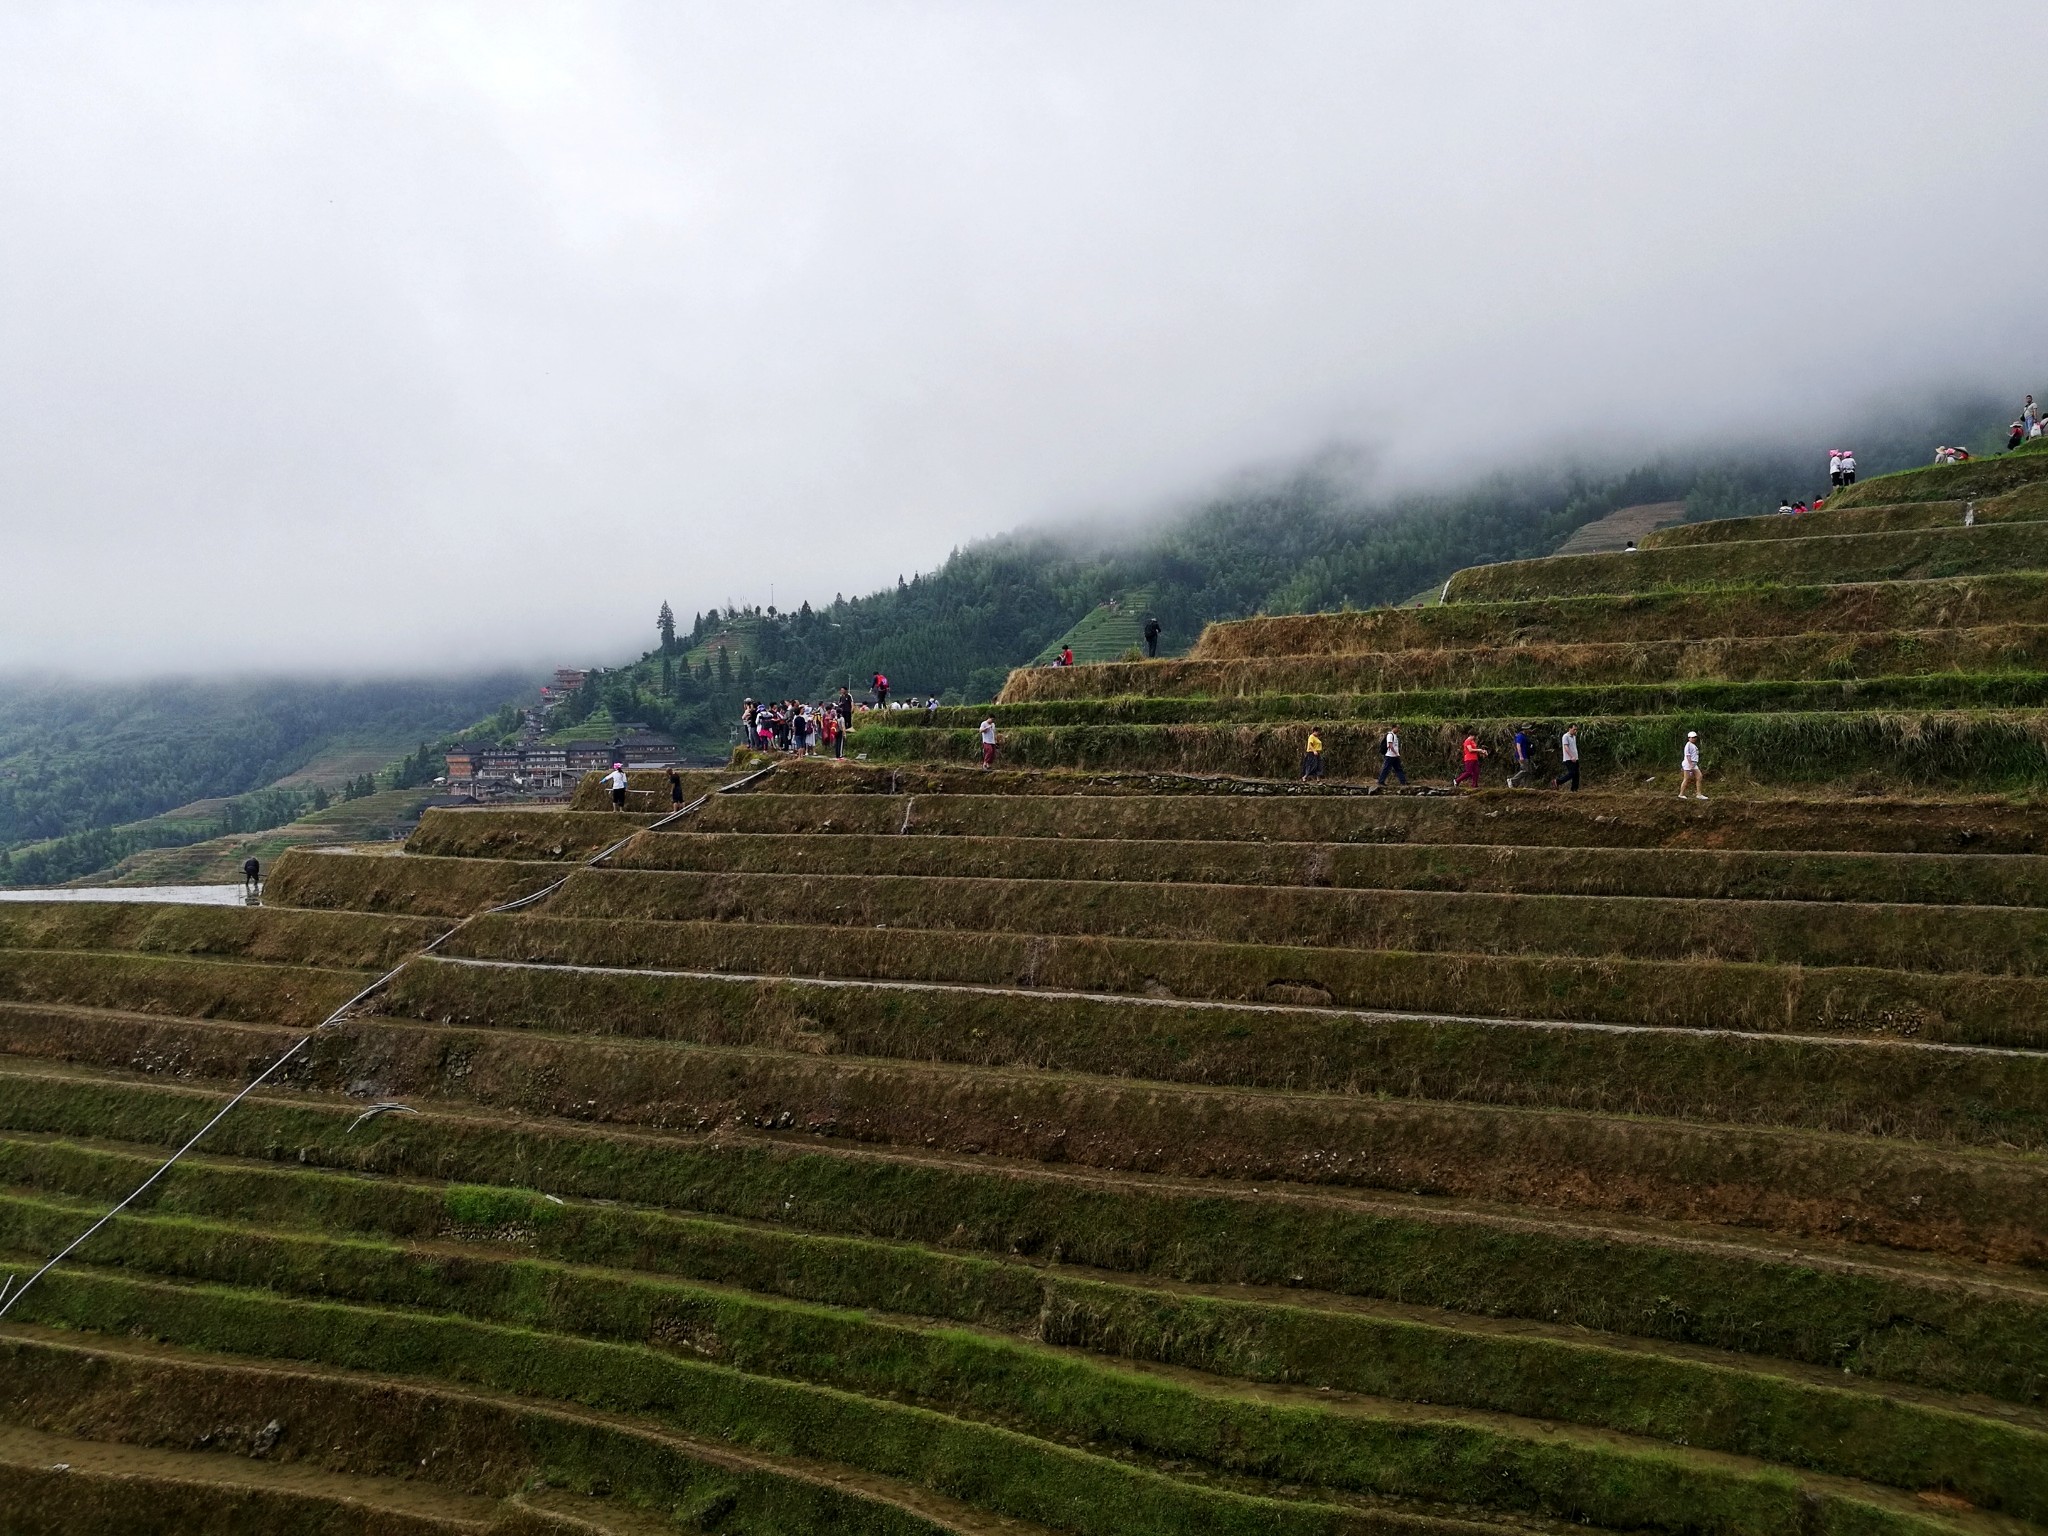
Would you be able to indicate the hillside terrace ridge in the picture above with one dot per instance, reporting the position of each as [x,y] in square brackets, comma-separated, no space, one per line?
[1133,1137]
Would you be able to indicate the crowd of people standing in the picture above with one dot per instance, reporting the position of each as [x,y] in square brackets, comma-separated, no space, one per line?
[800,729]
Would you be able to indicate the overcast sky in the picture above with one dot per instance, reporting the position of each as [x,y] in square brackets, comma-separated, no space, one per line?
[415,336]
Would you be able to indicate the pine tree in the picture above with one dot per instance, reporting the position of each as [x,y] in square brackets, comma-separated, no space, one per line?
[665,622]
[724,671]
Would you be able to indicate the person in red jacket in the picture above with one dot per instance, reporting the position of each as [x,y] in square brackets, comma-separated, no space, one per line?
[1469,773]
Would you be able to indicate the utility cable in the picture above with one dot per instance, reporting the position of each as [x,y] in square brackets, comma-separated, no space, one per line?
[10,1293]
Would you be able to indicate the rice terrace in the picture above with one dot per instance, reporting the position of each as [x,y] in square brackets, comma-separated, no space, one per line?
[1134,1137]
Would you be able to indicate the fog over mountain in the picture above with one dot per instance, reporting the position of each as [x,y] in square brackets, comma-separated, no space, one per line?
[423,336]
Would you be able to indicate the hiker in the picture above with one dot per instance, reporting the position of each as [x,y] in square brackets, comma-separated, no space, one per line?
[616,779]
[1689,767]
[931,710]
[845,708]
[2030,413]
[1472,753]
[675,790]
[1849,466]
[1390,745]
[881,686]
[748,713]
[1568,749]
[252,876]
[1152,627]
[1066,655]
[1523,762]
[1799,508]
[1629,548]
[988,741]
[1312,758]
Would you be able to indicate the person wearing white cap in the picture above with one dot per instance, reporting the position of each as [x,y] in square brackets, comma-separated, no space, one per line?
[1689,766]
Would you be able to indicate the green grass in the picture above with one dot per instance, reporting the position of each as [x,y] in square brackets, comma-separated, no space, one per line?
[2029,504]
[411,883]
[1820,655]
[1065,1396]
[796,1205]
[348,939]
[1922,555]
[1941,879]
[1766,608]
[370,1427]
[1697,993]
[1252,811]
[1846,749]
[1908,937]
[1943,691]
[1100,635]
[1851,1086]
[1948,482]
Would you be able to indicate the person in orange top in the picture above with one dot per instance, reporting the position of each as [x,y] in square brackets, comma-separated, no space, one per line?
[1470,772]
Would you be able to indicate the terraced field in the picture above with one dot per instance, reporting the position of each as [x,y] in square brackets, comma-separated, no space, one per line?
[1092,1146]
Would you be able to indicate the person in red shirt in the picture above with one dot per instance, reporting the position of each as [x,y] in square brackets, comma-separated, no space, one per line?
[1066,655]
[1470,772]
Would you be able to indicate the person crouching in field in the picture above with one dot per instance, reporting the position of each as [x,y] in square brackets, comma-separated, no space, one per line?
[1312,759]
[1469,772]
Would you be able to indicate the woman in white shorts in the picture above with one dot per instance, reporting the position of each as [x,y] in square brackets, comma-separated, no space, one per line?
[1689,767]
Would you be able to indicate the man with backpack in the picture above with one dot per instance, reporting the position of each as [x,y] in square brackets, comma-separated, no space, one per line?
[1151,635]
[1523,762]
[881,691]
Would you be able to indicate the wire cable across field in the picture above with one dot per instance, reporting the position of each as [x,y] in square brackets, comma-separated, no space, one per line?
[10,1293]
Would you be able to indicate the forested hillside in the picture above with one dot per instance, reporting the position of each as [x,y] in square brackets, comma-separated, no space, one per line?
[1309,543]
[77,759]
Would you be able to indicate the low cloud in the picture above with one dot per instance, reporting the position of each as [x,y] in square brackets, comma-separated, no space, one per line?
[353,337]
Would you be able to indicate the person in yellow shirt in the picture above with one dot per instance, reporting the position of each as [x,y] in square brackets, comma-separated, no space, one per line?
[1312,759]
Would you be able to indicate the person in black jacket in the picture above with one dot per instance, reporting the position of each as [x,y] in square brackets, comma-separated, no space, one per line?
[1151,635]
